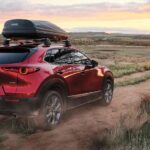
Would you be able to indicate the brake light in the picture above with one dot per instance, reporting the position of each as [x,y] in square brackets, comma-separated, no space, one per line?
[21,70]
[28,70]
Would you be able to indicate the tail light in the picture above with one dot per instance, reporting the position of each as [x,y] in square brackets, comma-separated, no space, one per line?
[21,70]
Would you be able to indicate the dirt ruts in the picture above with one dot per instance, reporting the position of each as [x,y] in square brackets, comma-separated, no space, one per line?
[80,125]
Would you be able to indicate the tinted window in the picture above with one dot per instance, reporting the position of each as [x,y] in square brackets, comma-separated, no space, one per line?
[62,56]
[58,56]
[8,57]
[78,58]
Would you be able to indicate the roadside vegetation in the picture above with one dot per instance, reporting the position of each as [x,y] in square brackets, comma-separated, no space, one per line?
[126,136]
[133,81]
[91,38]
[120,70]
[111,41]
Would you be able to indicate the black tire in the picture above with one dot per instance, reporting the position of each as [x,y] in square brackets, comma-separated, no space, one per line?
[107,92]
[51,111]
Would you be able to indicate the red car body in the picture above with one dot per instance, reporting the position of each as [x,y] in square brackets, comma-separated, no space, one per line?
[23,83]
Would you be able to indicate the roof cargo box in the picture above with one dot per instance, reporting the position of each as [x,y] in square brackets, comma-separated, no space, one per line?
[33,29]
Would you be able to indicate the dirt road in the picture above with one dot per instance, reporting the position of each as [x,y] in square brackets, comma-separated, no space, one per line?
[80,125]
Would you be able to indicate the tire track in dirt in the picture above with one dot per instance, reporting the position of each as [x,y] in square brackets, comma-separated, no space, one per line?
[82,124]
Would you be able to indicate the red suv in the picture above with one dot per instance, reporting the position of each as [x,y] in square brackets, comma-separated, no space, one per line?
[46,81]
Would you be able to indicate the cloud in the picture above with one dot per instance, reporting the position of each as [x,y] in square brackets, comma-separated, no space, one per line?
[148,1]
[10,5]
[81,15]
[17,6]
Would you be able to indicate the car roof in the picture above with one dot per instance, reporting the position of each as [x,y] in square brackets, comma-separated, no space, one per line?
[56,46]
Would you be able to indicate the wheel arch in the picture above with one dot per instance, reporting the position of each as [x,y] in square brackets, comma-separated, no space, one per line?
[55,84]
[108,76]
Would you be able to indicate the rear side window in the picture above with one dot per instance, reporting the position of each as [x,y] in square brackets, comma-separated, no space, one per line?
[63,56]
[11,56]
[58,56]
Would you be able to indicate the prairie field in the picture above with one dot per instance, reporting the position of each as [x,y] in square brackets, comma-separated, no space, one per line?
[123,125]
[124,58]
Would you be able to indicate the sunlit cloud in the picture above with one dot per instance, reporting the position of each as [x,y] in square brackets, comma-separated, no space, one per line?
[127,14]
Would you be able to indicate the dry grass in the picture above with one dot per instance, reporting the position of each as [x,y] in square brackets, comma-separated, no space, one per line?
[145,105]
[133,81]
[111,42]
[120,70]
[113,39]
[24,126]
[132,133]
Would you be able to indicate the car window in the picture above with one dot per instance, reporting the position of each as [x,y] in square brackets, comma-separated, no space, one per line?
[65,56]
[78,58]
[61,56]
[12,56]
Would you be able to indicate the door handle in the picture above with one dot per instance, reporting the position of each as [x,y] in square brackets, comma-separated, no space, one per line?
[59,72]
[12,82]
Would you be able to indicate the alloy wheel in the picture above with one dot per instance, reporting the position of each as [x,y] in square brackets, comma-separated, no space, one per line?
[53,110]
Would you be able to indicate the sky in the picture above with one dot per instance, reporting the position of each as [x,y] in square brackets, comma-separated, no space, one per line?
[126,16]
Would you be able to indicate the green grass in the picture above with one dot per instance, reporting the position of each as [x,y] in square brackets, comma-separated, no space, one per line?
[133,81]
[120,70]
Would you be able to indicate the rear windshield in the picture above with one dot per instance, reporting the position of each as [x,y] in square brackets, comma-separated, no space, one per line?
[12,56]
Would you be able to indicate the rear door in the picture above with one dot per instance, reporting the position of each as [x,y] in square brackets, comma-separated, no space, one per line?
[72,75]
[66,68]
[10,58]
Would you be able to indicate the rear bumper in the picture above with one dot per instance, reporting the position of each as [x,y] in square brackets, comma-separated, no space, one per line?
[22,107]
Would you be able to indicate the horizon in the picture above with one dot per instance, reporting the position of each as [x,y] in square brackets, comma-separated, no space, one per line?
[110,16]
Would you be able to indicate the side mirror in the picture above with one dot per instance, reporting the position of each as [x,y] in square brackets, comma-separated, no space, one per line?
[94,63]
[91,64]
